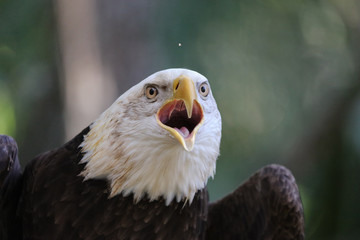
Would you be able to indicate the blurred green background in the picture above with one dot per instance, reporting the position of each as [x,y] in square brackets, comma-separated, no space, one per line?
[286,76]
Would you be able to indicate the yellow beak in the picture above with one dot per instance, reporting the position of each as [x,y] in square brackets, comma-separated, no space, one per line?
[182,115]
[184,89]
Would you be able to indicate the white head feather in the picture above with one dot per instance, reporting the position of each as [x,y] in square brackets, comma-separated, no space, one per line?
[128,147]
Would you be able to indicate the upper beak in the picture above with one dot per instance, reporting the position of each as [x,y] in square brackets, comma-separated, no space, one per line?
[184,89]
[182,115]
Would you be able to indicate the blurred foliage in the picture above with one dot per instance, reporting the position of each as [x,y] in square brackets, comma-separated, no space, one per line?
[7,117]
[285,75]
[28,78]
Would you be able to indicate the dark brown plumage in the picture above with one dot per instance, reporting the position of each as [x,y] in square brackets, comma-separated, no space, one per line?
[266,206]
[10,187]
[56,203]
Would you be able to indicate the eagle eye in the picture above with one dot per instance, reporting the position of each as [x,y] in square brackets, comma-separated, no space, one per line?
[151,92]
[204,89]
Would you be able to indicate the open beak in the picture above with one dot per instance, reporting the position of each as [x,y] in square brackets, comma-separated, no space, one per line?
[182,114]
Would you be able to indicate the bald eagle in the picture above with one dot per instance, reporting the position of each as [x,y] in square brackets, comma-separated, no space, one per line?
[140,171]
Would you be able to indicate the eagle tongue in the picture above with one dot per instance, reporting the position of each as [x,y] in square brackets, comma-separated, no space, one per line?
[183,131]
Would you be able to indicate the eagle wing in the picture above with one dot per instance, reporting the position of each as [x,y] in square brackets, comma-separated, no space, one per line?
[8,158]
[10,187]
[266,206]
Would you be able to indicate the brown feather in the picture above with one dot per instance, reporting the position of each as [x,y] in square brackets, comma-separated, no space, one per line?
[267,206]
[10,188]
[58,204]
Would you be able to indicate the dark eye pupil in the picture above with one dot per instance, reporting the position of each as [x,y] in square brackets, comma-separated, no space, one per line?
[203,89]
[152,91]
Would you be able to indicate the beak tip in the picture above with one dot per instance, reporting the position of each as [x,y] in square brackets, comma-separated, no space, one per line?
[189,144]
[189,114]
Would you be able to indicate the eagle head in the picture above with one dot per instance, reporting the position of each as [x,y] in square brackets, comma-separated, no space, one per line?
[161,138]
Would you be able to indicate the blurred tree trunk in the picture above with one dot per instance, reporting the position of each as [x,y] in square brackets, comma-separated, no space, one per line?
[88,90]
[105,50]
